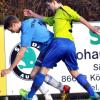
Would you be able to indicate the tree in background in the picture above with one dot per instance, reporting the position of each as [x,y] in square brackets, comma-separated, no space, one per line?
[90,9]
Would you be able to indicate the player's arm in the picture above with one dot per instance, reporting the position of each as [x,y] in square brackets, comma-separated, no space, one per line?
[16,61]
[30,13]
[75,16]
[86,23]
[47,20]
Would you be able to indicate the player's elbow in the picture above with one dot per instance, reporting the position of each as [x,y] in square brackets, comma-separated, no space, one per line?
[21,52]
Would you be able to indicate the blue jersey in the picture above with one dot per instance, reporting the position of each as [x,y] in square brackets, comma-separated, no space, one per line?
[34,30]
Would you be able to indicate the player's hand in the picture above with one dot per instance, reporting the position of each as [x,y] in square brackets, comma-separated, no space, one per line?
[5,72]
[97,30]
[27,12]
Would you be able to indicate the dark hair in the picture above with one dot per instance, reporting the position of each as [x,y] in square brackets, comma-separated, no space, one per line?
[9,21]
[52,0]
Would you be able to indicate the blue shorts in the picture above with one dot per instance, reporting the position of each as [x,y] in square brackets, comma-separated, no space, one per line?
[43,49]
[61,49]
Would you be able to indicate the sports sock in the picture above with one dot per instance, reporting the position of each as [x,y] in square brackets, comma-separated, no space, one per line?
[85,84]
[38,80]
[43,89]
[51,81]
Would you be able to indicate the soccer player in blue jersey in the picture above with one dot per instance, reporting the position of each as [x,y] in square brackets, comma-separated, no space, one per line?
[32,30]
[63,47]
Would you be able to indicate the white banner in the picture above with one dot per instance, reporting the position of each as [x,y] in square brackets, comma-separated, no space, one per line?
[88,52]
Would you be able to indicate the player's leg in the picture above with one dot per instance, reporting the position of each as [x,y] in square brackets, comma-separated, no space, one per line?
[56,53]
[23,92]
[64,89]
[49,79]
[58,85]
[44,90]
[35,71]
[37,66]
[82,80]
[71,63]
[38,80]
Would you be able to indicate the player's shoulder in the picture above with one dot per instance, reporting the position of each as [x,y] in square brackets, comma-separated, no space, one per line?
[67,8]
[25,21]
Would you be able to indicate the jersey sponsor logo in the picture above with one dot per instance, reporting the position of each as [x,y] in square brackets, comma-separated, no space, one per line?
[23,69]
[95,40]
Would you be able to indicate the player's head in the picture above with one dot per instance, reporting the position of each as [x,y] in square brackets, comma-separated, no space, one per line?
[49,1]
[12,23]
[53,4]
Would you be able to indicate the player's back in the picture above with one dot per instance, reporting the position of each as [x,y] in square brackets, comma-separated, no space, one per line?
[36,29]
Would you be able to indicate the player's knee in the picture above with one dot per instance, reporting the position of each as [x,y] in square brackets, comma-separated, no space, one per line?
[34,72]
[32,75]
[74,73]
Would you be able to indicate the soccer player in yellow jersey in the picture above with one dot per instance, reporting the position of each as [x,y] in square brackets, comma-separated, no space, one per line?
[62,47]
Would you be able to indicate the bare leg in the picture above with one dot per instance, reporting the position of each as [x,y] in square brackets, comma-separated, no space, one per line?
[35,71]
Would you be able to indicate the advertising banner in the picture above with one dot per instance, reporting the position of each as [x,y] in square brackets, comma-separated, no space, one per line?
[88,53]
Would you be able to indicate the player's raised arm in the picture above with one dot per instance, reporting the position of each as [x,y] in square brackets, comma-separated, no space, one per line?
[86,23]
[28,12]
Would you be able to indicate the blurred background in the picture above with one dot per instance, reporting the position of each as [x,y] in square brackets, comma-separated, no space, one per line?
[90,9]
